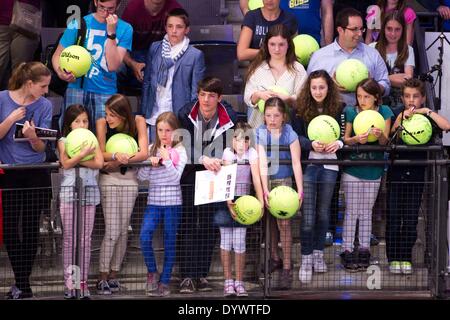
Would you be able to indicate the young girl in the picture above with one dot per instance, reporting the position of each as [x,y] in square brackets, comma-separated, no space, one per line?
[119,186]
[398,55]
[76,116]
[164,200]
[387,6]
[407,183]
[361,183]
[275,64]
[276,133]
[232,233]
[320,95]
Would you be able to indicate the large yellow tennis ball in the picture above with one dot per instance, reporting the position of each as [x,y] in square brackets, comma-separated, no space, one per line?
[77,139]
[284,202]
[324,129]
[255,4]
[122,143]
[350,72]
[277,89]
[418,127]
[366,120]
[248,210]
[305,46]
[75,59]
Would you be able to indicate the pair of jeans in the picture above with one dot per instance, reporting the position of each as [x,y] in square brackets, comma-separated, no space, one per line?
[404,199]
[197,236]
[152,217]
[318,188]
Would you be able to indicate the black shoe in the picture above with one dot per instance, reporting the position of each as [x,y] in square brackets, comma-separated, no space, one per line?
[273,265]
[364,259]
[349,261]
[16,294]
[187,286]
[203,285]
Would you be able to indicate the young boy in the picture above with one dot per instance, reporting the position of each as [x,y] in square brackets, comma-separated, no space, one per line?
[172,71]
[407,183]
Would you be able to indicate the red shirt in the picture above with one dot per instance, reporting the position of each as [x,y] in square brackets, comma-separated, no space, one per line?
[146,28]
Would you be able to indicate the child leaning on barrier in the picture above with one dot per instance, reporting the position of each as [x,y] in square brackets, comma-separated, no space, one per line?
[406,183]
[118,186]
[76,116]
[319,96]
[232,233]
[361,183]
[276,132]
[168,158]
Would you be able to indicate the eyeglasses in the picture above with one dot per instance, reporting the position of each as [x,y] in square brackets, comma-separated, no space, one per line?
[356,29]
[105,9]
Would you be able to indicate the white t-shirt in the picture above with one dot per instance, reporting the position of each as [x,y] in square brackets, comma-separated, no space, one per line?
[391,57]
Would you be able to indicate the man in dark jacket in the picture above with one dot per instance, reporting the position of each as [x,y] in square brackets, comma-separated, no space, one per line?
[206,121]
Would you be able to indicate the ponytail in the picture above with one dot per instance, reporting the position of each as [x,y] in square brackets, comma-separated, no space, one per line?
[25,71]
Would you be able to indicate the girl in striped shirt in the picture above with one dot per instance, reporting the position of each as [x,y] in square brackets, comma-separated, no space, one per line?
[168,158]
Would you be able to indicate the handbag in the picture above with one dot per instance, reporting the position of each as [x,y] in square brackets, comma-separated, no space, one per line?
[26,19]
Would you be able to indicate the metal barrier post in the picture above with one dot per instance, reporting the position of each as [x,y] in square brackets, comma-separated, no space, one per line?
[78,216]
[441,229]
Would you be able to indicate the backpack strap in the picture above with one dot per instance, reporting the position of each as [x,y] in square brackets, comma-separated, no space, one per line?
[81,37]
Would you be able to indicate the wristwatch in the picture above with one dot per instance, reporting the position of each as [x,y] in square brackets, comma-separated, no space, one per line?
[111,36]
[429,112]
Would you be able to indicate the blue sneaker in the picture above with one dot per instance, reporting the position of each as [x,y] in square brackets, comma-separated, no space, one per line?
[114,285]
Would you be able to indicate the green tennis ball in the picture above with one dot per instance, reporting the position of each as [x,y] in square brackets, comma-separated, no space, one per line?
[277,89]
[324,129]
[248,210]
[366,120]
[77,139]
[305,46]
[255,4]
[284,202]
[420,127]
[75,59]
[350,72]
[122,143]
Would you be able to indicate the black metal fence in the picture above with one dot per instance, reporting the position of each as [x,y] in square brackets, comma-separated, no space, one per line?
[118,215]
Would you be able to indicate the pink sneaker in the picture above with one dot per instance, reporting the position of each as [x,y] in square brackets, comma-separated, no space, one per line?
[228,289]
[240,289]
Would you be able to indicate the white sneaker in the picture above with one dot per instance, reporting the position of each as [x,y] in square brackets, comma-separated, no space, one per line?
[306,269]
[319,264]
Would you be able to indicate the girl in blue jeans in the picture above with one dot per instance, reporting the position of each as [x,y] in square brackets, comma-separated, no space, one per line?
[319,96]
[168,158]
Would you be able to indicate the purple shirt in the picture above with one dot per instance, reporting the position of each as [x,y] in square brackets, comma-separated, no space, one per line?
[12,152]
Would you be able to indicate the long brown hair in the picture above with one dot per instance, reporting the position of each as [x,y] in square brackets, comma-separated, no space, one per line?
[120,106]
[402,45]
[371,87]
[307,106]
[25,71]
[171,119]
[263,54]
[71,113]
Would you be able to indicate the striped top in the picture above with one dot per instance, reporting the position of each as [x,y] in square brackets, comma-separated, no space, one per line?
[164,180]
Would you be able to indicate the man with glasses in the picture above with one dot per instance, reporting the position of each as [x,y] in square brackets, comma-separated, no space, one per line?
[349,45]
[107,39]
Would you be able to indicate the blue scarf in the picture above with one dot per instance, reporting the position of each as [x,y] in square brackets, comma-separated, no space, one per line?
[167,60]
